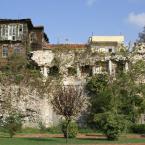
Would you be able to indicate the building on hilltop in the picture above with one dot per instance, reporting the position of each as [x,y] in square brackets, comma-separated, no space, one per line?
[19,36]
[101,54]
[74,62]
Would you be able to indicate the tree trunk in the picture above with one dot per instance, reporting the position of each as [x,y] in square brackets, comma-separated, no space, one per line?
[67,125]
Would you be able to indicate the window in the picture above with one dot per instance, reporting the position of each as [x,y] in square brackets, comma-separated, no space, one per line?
[17,50]
[21,28]
[72,71]
[86,70]
[4,32]
[12,32]
[5,52]
[110,50]
[33,37]
[54,71]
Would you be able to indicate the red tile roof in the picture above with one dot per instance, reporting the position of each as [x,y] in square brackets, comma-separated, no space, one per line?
[64,46]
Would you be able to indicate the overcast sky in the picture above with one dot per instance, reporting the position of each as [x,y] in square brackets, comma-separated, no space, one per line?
[76,20]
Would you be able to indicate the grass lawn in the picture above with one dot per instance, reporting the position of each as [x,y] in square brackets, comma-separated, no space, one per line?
[61,141]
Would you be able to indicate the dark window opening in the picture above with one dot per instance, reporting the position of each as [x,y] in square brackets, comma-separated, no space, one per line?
[54,71]
[110,50]
[72,71]
[86,70]
[120,67]
[13,38]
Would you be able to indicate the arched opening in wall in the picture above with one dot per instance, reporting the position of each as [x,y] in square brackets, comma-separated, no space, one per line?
[86,70]
[101,67]
[120,65]
[53,71]
[72,71]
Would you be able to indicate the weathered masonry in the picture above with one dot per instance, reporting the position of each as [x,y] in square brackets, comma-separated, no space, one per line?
[74,62]
[102,54]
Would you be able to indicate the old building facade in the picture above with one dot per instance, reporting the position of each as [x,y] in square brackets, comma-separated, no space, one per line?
[102,54]
[19,36]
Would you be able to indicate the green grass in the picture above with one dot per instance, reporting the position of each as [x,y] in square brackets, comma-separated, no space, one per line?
[88,130]
[30,130]
[61,141]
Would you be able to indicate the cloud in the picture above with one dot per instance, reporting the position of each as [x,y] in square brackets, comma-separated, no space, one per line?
[90,2]
[137,19]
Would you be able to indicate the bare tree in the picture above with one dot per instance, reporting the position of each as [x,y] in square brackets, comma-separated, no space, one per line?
[68,101]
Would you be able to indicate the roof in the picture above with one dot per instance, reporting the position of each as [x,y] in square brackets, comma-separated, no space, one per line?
[28,21]
[99,39]
[38,27]
[16,21]
[64,46]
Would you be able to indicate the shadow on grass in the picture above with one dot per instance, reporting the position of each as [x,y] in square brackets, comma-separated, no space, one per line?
[62,140]
[41,139]
[4,137]
[92,139]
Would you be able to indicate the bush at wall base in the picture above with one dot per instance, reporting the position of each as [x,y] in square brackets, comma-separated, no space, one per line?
[72,129]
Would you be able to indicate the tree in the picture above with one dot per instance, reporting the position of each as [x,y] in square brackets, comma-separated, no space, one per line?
[12,124]
[130,86]
[142,36]
[123,96]
[99,96]
[112,124]
[105,106]
[68,101]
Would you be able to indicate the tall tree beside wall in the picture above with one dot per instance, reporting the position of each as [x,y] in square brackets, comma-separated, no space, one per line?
[123,97]
[141,36]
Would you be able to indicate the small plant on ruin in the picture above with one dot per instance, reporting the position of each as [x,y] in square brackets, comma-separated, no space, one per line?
[68,101]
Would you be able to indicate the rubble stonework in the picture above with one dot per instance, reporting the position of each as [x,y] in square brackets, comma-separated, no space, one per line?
[73,62]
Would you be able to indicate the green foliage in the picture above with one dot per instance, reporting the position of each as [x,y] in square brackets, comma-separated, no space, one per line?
[131,95]
[12,124]
[97,83]
[29,130]
[111,124]
[72,71]
[42,127]
[87,130]
[54,71]
[142,36]
[54,129]
[138,128]
[100,96]
[72,129]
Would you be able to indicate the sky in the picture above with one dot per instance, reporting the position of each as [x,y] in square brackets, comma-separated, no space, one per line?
[74,21]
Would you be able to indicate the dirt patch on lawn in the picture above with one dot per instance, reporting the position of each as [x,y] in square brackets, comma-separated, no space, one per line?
[88,136]
[95,136]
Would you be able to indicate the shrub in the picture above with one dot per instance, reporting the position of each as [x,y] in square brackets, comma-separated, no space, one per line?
[54,129]
[42,127]
[12,124]
[72,129]
[111,124]
[87,130]
[28,130]
[138,128]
